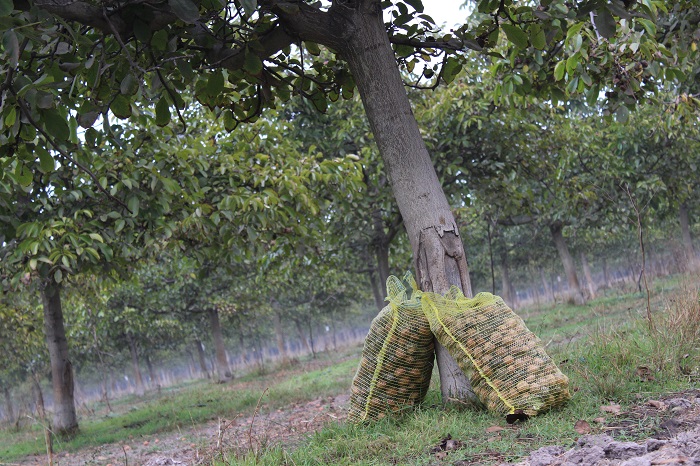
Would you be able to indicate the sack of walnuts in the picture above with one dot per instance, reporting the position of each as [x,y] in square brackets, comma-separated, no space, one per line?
[508,368]
[397,359]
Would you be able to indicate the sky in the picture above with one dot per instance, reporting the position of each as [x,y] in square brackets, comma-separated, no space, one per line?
[445,11]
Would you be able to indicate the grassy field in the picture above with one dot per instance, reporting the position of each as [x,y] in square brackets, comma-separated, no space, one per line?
[605,347]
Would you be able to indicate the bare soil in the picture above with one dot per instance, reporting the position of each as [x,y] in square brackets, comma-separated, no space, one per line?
[668,426]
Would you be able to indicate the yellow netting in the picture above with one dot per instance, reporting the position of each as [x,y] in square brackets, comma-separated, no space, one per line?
[504,361]
[397,359]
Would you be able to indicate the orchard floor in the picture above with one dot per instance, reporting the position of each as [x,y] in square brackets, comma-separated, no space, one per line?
[676,440]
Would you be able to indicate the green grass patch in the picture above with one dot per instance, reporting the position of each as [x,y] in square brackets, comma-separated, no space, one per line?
[186,406]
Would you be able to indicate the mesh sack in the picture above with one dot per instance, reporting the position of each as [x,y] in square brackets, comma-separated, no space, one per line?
[397,359]
[506,363]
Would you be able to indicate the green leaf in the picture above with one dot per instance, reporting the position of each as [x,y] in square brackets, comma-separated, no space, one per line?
[121,107]
[46,163]
[538,37]
[605,23]
[11,45]
[133,204]
[56,126]
[313,48]
[58,276]
[249,6]
[416,4]
[186,10]
[23,175]
[516,35]
[11,117]
[559,70]
[142,31]
[159,41]
[215,84]
[6,7]
[451,69]
[162,112]
[622,114]
[648,26]
[253,64]
[119,225]
[129,85]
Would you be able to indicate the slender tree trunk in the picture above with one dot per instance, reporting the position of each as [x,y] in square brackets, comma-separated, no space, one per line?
[568,262]
[589,276]
[65,421]
[378,298]
[279,334]
[151,372]
[222,369]
[41,411]
[606,274]
[549,292]
[138,379]
[438,252]
[9,407]
[506,285]
[202,360]
[690,258]
[302,336]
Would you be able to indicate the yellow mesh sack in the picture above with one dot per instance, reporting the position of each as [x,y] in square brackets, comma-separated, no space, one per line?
[397,359]
[508,368]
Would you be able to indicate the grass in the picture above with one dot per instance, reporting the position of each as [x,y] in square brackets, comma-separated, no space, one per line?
[605,347]
[185,406]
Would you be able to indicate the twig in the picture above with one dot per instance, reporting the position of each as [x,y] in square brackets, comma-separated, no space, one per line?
[640,234]
[126,459]
[257,407]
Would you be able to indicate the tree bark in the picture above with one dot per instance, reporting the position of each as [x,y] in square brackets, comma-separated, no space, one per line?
[65,420]
[202,360]
[151,372]
[690,258]
[506,285]
[222,369]
[378,298]
[589,276]
[548,290]
[568,262]
[9,407]
[279,333]
[133,350]
[302,336]
[438,252]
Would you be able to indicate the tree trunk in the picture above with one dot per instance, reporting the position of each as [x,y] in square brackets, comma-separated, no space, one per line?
[506,285]
[9,407]
[378,295]
[302,336]
[151,372]
[606,274]
[65,421]
[202,360]
[438,252]
[279,331]
[222,369]
[690,259]
[568,262]
[589,276]
[547,286]
[135,364]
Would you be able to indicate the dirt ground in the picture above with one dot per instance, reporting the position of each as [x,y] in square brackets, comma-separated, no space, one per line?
[670,426]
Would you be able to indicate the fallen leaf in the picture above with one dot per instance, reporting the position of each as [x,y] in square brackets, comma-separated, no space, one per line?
[599,420]
[660,405]
[145,443]
[441,455]
[492,429]
[582,427]
[644,374]
[612,408]
[495,438]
